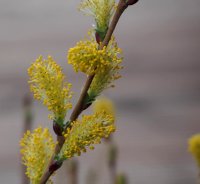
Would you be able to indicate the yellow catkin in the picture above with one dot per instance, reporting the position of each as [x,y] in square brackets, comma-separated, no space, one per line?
[48,85]
[87,132]
[104,79]
[104,104]
[36,149]
[106,63]
[101,10]
[194,147]
[87,58]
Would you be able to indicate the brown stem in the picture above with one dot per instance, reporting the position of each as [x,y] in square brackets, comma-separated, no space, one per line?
[120,9]
[45,177]
[79,106]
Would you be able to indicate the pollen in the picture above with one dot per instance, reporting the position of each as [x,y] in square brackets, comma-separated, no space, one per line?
[36,149]
[47,82]
[87,132]
[105,63]
[104,79]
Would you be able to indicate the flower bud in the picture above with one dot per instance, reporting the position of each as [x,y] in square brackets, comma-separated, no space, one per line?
[57,128]
[98,39]
[55,166]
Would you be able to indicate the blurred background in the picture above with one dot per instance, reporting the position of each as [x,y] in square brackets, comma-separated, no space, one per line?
[157,99]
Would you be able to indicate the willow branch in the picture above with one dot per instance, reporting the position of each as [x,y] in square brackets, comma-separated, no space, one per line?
[122,5]
[79,106]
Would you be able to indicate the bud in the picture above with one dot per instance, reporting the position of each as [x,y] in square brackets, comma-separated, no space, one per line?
[131,2]
[98,39]
[57,128]
[55,166]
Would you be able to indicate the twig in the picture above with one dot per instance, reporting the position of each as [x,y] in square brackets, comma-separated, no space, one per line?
[79,106]
[122,5]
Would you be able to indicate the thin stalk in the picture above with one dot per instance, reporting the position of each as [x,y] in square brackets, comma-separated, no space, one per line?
[72,169]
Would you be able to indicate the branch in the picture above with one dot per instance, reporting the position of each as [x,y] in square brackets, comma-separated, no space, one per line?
[122,5]
[79,106]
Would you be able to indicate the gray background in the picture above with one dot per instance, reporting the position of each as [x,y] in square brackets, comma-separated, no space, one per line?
[157,100]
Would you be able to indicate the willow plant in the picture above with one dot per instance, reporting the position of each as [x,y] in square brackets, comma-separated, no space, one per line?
[98,57]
